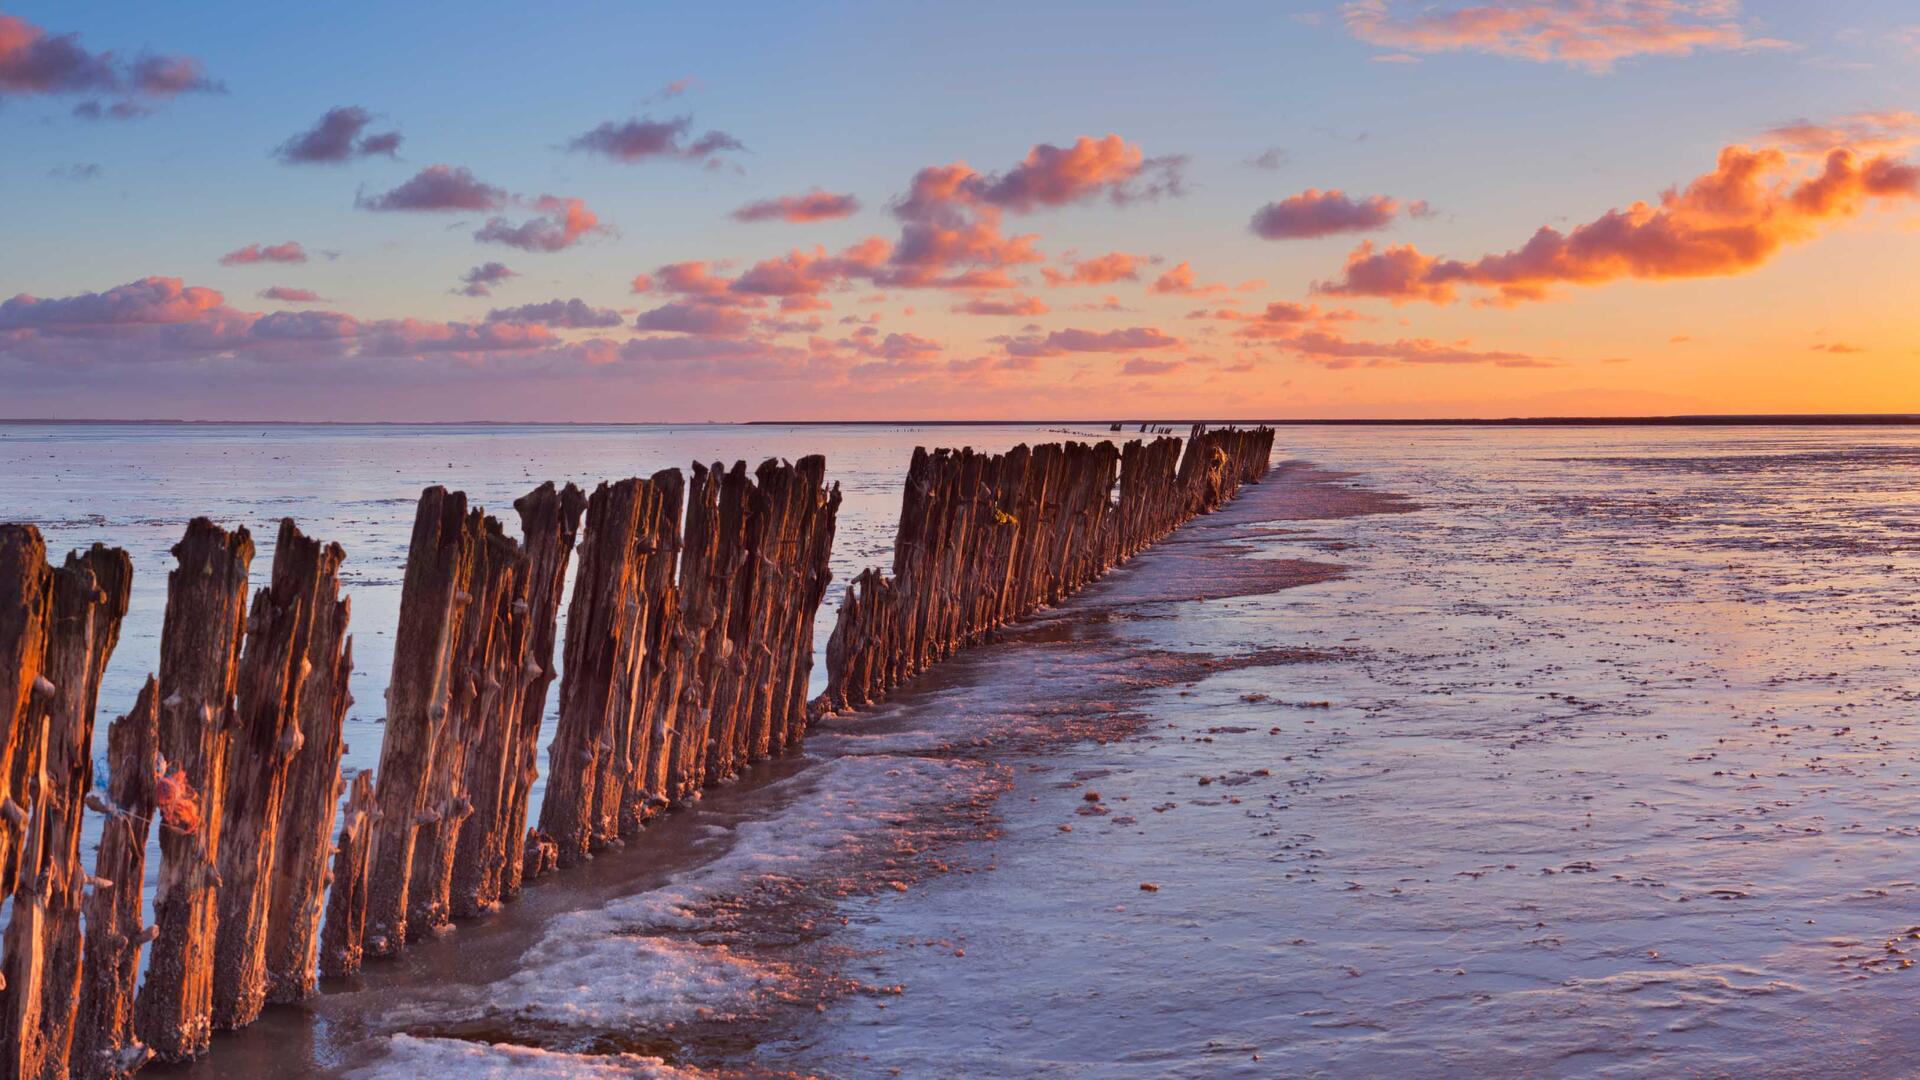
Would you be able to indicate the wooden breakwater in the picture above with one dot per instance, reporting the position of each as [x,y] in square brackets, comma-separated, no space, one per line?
[987,538]
[688,648]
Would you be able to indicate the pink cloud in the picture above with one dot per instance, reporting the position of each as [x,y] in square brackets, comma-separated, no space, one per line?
[815,205]
[1180,281]
[1589,34]
[289,252]
[564,222]
[1056,176]
[1101,270]
[33,61]
[1012,305]
[336,137]
[1725,222]
[1314,213]
[287,295]
[1059,342]
[1141,365]
[692,317]
[438,188]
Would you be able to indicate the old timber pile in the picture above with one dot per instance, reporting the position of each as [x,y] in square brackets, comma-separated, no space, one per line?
[689,643]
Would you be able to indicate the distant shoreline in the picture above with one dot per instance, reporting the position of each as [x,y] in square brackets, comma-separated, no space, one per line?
[1127,426]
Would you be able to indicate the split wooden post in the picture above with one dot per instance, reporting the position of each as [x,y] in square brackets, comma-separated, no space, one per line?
[105,1046]
[276,668]
[199,661]
[43,941]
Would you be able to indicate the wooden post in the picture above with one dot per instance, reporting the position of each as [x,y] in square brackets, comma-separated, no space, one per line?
[104,1044]
[276,668]
[502,768]
[43,938]
[433,600]
[488,676]
[26,601]
[342,942]
[304,833]
[199,658]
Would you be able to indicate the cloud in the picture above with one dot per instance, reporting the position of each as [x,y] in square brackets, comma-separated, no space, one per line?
[1314,213]
[149,301]
[481,279]
[1589,34]
[1180,281]
[639,140]
[1059,342]
[1838,347]
[1728,221]
[1056,176]
[438,188]
[77,172]
[1272,159]
[335,138]
[1141,365]
[119,110]
[1102,270]
[565,314]
[692,317]
[32,61]
[289,252]
[1330,349]
[564,222]
[1013,305]
[815,205]
[1883,131]
[287,295]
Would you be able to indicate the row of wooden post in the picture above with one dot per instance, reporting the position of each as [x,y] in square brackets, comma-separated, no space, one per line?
[688,649]
[987,538]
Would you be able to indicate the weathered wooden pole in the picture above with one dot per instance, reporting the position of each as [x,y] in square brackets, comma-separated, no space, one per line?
[342,942]
[501,768]
[105,1046]
[199,659]
[434,597]
[303,836]
[43,941]
[276,667]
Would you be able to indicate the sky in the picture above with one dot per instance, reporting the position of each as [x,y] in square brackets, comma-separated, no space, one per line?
[1114,210]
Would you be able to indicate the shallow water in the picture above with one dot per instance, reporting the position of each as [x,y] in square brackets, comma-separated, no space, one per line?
[1596,759]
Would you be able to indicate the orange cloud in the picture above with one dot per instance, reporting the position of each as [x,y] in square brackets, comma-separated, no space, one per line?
[1102,270]
[1180,281]
[1060,342]
[1590,34]
[564,222]
[1013,305]
[1726,222]
[289,252]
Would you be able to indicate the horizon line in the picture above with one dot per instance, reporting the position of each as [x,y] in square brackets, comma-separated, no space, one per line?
[1126,426]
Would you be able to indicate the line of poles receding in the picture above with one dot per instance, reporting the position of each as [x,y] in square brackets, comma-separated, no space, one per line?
[689,644]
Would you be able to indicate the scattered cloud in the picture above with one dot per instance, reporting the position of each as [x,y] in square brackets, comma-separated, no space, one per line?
[438,188]
[336,137]
[1314,213]
[1180,281]
[1728,221]
[815,205]
[480,280]
[1059,342]
[287,295]
[562,223]
[77,172]
[1272,159]
[561,314]
[1101,270]
[644,139]
[1015,305]
[35,62]
[289,252]
[1592,35]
